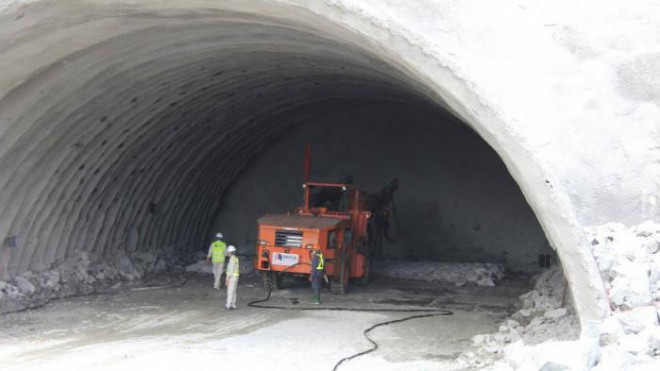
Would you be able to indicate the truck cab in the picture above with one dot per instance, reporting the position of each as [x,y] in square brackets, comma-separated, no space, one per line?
[286,241]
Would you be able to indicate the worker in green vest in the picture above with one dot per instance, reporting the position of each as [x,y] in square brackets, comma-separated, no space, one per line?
[217,253]
[316,274]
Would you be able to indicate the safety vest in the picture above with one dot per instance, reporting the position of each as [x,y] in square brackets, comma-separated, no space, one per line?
[234,267]
[218,251]
[321,262]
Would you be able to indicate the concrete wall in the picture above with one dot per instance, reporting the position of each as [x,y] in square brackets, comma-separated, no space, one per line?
[456,201]
[122,122]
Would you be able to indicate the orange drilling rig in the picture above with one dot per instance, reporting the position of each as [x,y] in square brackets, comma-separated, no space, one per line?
[334,217]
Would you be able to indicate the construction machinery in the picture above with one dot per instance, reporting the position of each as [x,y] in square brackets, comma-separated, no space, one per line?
[336,218]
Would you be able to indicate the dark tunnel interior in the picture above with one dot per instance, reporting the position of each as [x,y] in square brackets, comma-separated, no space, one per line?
[157,136]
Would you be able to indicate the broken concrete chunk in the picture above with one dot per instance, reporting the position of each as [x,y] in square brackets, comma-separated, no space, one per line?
[479,340]
[631,287]
[637,319]
[651,246]
[24,285]
[552,366]
[647,228]
[500,338]
[537,321]
[12,291]
[653,337]
[610,331]
[556,313]
[614,359]
[634,343]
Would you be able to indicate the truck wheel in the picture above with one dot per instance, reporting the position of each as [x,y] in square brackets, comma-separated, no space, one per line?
[270,280]
[279,277]
[339,286]
[366,274]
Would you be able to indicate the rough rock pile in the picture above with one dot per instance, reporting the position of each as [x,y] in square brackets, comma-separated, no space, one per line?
[538,336]
[629,263]
[459,274]
[202,266]
[78,276]
[543,316]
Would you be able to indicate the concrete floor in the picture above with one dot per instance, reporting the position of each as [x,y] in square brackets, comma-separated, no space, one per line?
[187,326]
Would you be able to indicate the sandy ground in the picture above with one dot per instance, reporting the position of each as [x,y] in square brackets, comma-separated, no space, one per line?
[179,328]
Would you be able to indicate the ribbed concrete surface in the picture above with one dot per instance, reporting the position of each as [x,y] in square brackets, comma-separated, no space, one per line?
[123,122]
[131,141]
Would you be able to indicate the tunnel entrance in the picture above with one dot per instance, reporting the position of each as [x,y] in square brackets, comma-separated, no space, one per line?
[151,127]
[131,143]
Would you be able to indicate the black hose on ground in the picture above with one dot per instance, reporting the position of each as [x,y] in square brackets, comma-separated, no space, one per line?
[374,344]
[430,313]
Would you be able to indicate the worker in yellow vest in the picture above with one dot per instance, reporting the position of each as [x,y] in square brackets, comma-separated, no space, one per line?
[217,255]
[317,273]
[233,271]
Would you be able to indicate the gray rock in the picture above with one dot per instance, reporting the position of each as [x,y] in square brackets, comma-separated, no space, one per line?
[537,321]
[651,246]
[24,285]
[647,228]
[12,291]
[637,319]
[500,338]
[556,313]
[654,339]
[479,340]
[552,366]
[127,268]
[613,358]
[610,331]
[3,284]
[634,343]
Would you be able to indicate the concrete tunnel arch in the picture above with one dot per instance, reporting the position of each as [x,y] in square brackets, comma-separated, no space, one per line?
[112,117]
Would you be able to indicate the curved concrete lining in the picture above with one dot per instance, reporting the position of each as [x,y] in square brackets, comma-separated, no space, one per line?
[123,123]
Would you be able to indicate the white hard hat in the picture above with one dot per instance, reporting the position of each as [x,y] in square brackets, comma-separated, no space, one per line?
[231,248]
[218,235]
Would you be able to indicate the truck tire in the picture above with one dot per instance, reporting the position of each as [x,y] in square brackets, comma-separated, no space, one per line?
[272,280]
[339,285]
[366,275]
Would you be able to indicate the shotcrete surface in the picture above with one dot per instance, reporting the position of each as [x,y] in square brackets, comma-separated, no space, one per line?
[187,326]
[124,122]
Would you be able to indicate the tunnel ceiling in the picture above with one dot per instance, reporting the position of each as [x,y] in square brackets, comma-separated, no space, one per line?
[130,141]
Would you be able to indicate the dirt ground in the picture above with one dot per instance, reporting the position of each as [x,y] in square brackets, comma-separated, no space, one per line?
[186,325]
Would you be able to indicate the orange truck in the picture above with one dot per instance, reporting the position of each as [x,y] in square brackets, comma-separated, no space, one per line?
[334,218]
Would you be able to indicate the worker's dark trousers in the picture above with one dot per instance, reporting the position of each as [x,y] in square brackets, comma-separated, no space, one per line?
[316,287]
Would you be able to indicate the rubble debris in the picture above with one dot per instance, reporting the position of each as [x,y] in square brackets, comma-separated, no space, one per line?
[629,263]
[202,266]
[459,274]
[78,276]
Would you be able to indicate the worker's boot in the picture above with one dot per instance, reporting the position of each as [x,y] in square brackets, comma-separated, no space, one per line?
[316,300]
